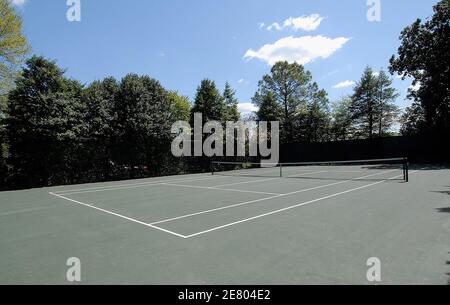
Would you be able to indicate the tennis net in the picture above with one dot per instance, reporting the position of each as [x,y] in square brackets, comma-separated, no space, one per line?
[374,169]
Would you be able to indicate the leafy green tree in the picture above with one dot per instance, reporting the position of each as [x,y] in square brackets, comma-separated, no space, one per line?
[13,48]
[232,113]
[99,99]
[294,91]
[413,120]
[43,124]
[142,121]
[424,56]
[341,122]
[180,108]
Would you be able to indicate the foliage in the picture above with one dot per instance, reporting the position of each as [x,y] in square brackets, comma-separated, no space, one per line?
[424,56]
[43,124]
[290,95]
[231,103]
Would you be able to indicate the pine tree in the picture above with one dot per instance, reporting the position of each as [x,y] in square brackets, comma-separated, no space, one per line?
[364,109]
[209,102]
[387,110]
[232,113]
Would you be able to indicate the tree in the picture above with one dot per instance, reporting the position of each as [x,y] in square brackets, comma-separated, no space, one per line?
[269,110]
[423,55]
[209,103]
[180,108]
[317,118]
[364,103]
[292,89]
[387,110]
[13,47]
[142,120]
[413,120]
[98,132]
[43,123]
[341,122]
[232,113]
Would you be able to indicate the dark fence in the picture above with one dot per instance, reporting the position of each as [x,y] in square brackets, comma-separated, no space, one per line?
[418,149]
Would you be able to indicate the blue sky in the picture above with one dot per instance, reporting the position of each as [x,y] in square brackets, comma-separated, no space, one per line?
[181,42]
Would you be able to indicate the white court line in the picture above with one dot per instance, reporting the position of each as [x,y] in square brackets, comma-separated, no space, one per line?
[264,199]
[119,215]
[291,207]
[132,186]
[269,179]
[217,189]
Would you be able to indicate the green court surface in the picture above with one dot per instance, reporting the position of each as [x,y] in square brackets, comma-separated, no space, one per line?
[318,227]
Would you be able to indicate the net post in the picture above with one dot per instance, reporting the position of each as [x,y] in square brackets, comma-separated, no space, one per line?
[212,168]
[281,170]
[407,169]
[404,169]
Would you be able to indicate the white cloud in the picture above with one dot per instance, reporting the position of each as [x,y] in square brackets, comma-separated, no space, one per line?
[376,74]
[261,25]
[241,81]
[305,23]
[247,108]
[18,2]
[344,84]
[415,87]
[275,26]
[302,50]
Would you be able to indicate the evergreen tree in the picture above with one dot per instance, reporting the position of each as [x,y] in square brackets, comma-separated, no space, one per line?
[232,113]
[269,110]
[387,110]
[341,122]
[209,102]
[364,108]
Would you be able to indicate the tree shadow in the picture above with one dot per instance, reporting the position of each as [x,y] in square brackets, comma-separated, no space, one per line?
[443,210]
[448,264]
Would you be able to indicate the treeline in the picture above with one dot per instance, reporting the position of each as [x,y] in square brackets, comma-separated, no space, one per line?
[53,130]
[290,96]
[59,132]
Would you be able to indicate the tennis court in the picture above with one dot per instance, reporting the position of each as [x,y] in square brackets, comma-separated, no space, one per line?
[290,224]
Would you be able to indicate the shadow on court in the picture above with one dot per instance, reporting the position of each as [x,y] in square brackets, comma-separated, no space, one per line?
[448,264]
